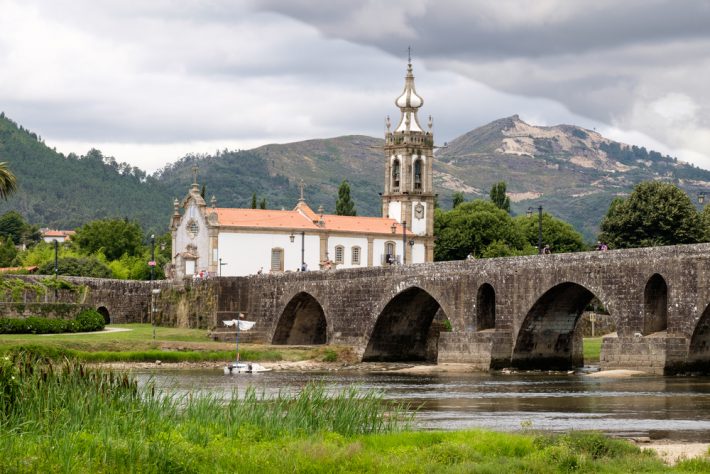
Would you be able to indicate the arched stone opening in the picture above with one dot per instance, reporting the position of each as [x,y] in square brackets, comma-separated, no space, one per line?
[103,311]
[655,305]
[407,329]
[548,339]
[485,307]
[302,322]
[699,351]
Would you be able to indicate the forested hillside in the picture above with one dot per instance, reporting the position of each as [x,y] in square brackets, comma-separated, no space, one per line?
[67,191]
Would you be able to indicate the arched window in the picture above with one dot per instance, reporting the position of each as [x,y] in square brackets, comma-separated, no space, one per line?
[485,307]
[277,259]
[395,174]
[390,255]
[339,254]
[655,298]
[355,257]
[418,174]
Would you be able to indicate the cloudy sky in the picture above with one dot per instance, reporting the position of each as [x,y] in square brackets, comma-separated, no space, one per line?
[150,81]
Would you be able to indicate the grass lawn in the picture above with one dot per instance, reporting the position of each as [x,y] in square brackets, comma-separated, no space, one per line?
[169,345]
[592,349]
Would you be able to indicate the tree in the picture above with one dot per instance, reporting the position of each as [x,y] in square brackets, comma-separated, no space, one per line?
[8,252]
[654,214]
[8,182]
[499,197]
[114,237]
[558,234]
[479,228]
[262,204]
[83,266]
[456,199]
[14,227]
[253,200]
[705,218]
[345,206]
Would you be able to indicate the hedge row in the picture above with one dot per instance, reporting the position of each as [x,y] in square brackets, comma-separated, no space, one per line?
[86,321]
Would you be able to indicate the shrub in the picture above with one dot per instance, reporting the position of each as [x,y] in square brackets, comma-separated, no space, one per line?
[87,320]
[90,320]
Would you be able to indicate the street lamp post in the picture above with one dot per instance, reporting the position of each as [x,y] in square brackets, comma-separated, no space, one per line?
[292,238]
[151,264]
[220,266]
[539,225]
[56,267]
[404,242]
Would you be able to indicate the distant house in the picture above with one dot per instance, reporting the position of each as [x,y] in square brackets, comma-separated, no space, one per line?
[50,235]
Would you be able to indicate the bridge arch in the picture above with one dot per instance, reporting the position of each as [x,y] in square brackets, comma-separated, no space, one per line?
[485,307]
[655,305]
[302,322]
[699,350]
[403,330]
[547,338]
[103,311]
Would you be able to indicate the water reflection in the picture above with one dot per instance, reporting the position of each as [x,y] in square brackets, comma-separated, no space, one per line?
[660,407]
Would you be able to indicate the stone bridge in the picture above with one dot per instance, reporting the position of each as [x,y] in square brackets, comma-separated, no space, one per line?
[517,312]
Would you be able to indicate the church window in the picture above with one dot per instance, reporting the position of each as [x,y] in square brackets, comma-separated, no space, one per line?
[356,256]
[192,227]
[395,174]
[277,260]
[339,251]
[418,174]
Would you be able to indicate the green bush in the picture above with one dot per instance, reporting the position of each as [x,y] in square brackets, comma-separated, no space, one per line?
[90,320]
[86,321]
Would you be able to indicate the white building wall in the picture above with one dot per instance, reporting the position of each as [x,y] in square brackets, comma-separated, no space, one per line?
[418,253]
[246,253]
[395,211]
[418,225]
[348,243]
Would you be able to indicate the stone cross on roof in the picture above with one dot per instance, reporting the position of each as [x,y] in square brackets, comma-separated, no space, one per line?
[301,185]
[194,174]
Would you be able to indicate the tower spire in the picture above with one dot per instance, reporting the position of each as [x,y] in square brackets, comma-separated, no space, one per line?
[409,102]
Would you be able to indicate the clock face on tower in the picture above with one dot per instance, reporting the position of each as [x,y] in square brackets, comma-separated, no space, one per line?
[419,211]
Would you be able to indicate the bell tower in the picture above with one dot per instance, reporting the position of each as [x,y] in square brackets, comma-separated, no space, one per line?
[408,195]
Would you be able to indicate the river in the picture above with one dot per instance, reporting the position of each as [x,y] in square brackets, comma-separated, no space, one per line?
[676,408]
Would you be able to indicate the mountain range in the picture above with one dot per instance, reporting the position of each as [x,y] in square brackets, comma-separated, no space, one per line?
[574,173]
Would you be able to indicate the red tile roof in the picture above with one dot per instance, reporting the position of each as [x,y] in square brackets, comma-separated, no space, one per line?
[304,220]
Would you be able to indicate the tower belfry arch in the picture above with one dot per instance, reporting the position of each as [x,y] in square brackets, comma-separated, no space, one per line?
[408,195]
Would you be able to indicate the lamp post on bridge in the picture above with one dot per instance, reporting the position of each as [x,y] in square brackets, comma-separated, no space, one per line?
[529,213]
[404,242]
[292,238]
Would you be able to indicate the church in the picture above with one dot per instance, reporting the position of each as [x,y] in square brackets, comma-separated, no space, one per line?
[211,241]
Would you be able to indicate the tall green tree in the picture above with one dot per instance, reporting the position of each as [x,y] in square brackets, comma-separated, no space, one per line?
[345,206]
[113,237]
[705,218]
[499,197]
[262,204]
[558,234]
[8,252]
[654,214]
[253,200]
[479,228]
[8,182]
[457,199]
[14,227]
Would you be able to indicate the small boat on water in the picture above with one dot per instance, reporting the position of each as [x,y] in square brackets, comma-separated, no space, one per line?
[239,367]
[244,368]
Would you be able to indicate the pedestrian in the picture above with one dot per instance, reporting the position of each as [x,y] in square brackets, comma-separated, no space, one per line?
[546,250]
[261,270]
[604,247]
[304,267]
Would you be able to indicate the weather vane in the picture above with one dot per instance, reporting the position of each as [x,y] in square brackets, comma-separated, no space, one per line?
[409,54]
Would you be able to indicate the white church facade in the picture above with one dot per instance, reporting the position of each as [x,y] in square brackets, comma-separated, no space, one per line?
[217,241]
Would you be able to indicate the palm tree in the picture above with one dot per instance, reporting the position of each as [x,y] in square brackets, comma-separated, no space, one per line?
[8,182]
